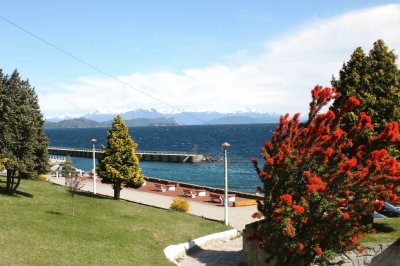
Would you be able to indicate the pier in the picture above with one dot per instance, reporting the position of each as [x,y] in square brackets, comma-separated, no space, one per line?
[148,156]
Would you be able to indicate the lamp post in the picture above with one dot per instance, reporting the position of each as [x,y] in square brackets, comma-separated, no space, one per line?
[225,146]
[94,166]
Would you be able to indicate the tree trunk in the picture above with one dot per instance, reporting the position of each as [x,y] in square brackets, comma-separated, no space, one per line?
[117,190]
[73,207]
[8,186]
[17,184]
[10,181]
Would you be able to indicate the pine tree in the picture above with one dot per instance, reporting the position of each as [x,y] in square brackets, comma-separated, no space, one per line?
[68,169]
[120,162]
[23,141]
[375,81]
[3,80]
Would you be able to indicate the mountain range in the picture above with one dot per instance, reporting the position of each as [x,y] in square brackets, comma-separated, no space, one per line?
[141,117]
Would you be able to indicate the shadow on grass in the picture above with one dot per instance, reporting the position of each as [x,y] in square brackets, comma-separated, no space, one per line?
[86,193]
[383,228]
[216,257]
[54,213]
[16,193]
[91,195]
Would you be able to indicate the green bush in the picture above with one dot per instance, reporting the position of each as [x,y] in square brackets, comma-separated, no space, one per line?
[180,205]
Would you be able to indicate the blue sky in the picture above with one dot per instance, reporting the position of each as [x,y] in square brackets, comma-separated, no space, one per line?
[196,55]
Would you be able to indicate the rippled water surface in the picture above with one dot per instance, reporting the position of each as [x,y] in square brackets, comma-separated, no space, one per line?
[246,142]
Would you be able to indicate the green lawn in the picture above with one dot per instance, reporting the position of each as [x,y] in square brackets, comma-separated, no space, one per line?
[37,228]
[387,231]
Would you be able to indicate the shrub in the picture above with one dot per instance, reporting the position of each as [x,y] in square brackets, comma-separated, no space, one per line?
[41,178]
[180,205]
[319,198]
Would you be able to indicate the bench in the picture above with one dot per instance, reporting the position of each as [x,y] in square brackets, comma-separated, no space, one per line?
[214,197]
[159,187]
[171,187]
[188,193]
[201,193]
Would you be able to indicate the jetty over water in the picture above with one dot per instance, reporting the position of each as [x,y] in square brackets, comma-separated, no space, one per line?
[150,156]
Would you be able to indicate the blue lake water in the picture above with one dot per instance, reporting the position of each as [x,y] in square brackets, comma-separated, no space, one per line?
[246,142]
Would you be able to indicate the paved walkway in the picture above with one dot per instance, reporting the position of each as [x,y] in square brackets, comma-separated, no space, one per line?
[220,253]
[238,216]
[227,253]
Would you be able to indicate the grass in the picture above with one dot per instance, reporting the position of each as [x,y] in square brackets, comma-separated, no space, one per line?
[37,228]
[387,231]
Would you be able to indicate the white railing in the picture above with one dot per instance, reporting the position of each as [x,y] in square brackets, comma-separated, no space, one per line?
[138,151]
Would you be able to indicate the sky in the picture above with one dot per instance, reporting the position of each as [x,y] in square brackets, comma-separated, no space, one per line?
[210,55]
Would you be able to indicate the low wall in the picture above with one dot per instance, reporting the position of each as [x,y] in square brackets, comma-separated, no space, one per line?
[199,187]
[173,252]
[377,254]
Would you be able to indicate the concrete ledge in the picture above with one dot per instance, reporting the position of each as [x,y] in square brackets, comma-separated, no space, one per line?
[173,252]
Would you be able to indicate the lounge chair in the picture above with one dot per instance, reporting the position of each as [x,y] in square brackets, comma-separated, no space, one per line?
[188,193]
[159,187]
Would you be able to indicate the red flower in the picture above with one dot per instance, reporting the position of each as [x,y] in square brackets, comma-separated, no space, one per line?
[393,198]
[298,209]
[307,174]
[286,199]
[254,160]
[318,250]
[264,175]
[301,246]
[288,232]
[316,184]
[378,204]
[338,133]
[352,103]
[257,215]
[277,215]
[348,165]
[346,216]
[329,152]
[268,144]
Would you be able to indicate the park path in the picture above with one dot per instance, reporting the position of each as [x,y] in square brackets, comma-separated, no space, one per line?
[238,216]
[219,253]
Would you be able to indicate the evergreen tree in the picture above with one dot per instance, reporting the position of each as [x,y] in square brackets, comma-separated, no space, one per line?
[3,80]
[375,81]
[68,169]
[23,141]
[120,162]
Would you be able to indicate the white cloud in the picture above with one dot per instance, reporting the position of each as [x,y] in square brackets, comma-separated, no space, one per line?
[279,80]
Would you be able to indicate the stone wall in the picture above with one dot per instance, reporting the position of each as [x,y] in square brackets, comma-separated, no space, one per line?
[375,254]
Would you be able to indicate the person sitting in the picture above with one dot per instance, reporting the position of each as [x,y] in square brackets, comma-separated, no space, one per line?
[389,210]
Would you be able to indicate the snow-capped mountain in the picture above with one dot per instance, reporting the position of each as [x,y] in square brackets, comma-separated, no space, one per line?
[59,118]
[184,118]
[101,116]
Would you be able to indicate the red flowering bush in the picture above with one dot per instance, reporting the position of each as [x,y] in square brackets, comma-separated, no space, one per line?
[320,188]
